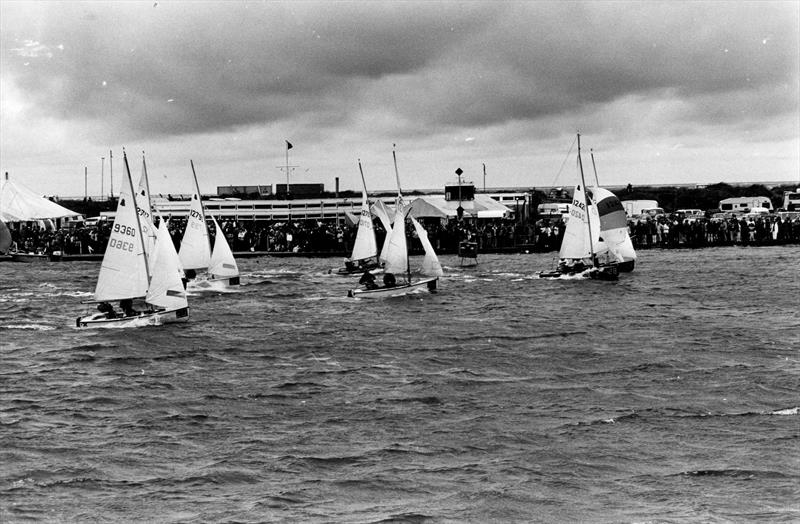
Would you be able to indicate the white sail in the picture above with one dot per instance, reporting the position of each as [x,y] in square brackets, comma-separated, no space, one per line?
[195,252]
[430,265]
[166,287]
[397,249]
[365,245]
[222,263]
[123,273]
[576,244]
[379,210]
[145,212]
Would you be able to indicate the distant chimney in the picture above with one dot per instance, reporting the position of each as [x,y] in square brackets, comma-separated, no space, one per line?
[6,175]
[337,187]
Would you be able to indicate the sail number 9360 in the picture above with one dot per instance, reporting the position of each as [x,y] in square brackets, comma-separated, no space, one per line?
[124,230]
[119,243]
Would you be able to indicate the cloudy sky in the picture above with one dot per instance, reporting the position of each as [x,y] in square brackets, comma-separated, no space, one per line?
[673,92]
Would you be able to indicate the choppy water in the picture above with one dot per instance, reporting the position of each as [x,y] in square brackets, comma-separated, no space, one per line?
[671,395]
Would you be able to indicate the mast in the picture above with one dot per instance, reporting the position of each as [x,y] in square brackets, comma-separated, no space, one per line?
[200,200]
[138,220]
[147,185]
[586,203]
[396,174]
[596,180]
[363,182]
[403,214]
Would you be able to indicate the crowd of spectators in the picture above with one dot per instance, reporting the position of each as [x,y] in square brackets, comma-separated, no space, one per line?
[674,231]
[496,235]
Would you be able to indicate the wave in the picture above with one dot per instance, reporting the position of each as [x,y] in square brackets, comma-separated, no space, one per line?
[744,474]
[34,327]
[681,414]
[410,518]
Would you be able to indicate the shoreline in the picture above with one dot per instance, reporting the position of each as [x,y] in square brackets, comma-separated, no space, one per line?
[523,249]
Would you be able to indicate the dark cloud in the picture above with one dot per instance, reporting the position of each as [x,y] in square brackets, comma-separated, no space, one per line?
[183,68]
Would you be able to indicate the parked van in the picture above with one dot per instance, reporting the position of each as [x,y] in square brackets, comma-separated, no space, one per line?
[744,204]
[637,207]
[653,211]
[553,209]
[791,200]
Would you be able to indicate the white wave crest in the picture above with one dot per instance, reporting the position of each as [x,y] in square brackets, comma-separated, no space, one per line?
[787,411]
[35,327]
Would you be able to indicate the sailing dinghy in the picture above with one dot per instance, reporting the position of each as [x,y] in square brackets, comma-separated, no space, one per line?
[365,248]
[396,262]
[217,270]
[127,274]
[582,242]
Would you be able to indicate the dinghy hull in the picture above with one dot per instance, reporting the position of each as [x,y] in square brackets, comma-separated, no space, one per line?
[220,285]
[610,272]
[154,318]
[430,284]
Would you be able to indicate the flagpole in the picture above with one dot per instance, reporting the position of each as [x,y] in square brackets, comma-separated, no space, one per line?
[111,169]
[288,191]
[102,177]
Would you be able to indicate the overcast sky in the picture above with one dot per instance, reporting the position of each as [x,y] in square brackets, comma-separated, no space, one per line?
[673,92]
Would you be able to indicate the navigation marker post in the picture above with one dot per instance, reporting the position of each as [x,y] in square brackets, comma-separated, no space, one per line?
[459,209]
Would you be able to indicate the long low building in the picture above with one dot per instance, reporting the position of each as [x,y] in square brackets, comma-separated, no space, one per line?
[483,206]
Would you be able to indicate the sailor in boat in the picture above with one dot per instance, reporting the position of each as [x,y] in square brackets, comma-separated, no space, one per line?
[127,308]
[389,280]
[107,309]
[572,266]
[368,280]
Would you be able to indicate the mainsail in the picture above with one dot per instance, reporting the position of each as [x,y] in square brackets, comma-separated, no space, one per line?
[380,210]
[145,212]
[365,245]
[396,248]
[195,252]
[166,287]
[222,263]
[576,244]
[123,273]
[430,264]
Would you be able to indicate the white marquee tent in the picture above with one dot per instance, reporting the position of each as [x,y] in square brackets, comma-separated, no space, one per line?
[436,206]
[20,204]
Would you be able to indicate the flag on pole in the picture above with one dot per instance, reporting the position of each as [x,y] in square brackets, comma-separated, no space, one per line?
[288,145]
